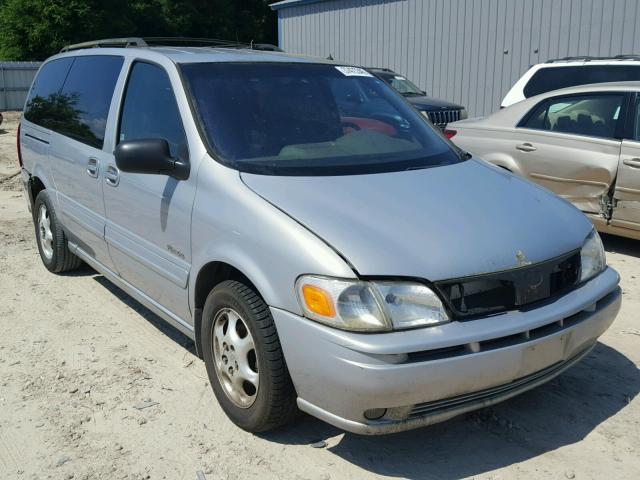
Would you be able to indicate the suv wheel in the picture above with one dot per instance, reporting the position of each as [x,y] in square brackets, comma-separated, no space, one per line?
[244,360]
[52,242]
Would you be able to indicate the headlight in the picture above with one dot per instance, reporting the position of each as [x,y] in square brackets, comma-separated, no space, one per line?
[369,306]
[592,258]
[464,114]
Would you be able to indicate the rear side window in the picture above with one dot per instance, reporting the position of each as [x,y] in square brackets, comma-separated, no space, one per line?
[86,97]
[150,109]
[590,115]
[44,94]
[554,78]
[72,96]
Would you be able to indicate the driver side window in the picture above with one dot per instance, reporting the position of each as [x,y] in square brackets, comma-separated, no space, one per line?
[589,115]
[149,109]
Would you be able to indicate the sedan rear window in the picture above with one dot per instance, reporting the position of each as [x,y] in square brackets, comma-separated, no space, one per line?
[309,119]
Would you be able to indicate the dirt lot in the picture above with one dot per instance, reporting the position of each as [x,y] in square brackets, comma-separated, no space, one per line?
[77,356]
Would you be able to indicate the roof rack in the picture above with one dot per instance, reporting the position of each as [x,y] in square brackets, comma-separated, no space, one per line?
[587,58]
[107,43]
[169,41]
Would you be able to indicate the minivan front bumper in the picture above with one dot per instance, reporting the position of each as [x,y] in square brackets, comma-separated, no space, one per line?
[409,379]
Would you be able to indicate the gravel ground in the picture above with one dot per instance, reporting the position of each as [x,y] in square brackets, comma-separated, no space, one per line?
[79,359]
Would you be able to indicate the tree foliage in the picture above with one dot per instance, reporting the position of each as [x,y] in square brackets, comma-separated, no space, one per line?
[36,29]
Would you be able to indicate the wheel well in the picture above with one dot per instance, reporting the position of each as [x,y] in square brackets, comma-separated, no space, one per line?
[36,186]
[208,277]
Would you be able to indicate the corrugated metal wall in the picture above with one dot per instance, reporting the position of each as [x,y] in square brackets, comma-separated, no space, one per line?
[15,80]
[466,51]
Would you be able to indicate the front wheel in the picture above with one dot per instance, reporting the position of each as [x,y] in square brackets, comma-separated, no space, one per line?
[244,359]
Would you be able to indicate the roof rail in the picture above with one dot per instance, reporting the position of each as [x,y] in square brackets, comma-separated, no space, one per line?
[587,58]
[168,42]
[107,43]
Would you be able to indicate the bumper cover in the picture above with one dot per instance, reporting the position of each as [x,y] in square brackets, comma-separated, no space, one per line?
[425,376]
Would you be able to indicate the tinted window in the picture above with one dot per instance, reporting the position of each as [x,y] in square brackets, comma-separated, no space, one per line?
[309,119]
[592,115]
[72,96]
[554,78]
[150,109]
[85,98]
[636,132]
[44,92]
[401,84]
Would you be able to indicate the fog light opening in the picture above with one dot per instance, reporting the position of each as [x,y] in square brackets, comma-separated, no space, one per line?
[375,413]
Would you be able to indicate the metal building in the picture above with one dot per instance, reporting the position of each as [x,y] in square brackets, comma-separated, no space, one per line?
[16,78]
[467,51]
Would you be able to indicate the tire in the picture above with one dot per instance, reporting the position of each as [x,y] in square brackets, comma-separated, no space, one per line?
[229,358]
[51,239]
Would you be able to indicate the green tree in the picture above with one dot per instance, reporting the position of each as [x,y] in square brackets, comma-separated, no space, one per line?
[36,29]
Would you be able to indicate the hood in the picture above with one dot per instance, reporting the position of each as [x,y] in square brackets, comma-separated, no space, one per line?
[436,223]
[430,103]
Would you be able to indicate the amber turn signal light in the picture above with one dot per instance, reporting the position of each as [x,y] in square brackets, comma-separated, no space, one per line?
[318,301]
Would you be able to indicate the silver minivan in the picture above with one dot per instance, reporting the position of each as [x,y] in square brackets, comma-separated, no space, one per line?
[325,251]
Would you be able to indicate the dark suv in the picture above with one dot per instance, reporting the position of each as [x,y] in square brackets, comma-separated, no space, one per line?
[440,112]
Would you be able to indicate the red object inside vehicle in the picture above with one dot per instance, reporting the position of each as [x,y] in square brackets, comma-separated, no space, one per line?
[367,124]
[450,133]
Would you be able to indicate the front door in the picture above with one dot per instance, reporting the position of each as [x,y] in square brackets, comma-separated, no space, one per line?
[626,212]
[569,145]
[148,228]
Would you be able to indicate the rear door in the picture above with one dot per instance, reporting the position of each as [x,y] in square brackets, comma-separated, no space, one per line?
[77,157]
[570,145]
[626,212]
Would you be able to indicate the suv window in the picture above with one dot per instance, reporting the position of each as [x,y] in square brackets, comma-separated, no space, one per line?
[150,110]
[591,115]
[44,94]
[555,78]
[86,97]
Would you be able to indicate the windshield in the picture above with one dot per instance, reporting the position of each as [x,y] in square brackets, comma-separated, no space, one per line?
[309,119]
[402,85]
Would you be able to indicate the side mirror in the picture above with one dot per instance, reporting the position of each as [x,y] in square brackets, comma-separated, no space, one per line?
[150,156]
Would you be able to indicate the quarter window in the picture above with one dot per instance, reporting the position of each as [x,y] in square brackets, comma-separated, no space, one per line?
[590,115]
[150,109]
[40,106]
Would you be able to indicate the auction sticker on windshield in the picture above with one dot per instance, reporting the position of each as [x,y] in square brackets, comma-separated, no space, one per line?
[353,72]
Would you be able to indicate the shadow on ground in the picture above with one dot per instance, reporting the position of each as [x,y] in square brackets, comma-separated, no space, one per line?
[147,314]
[559,413]
[625,246]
